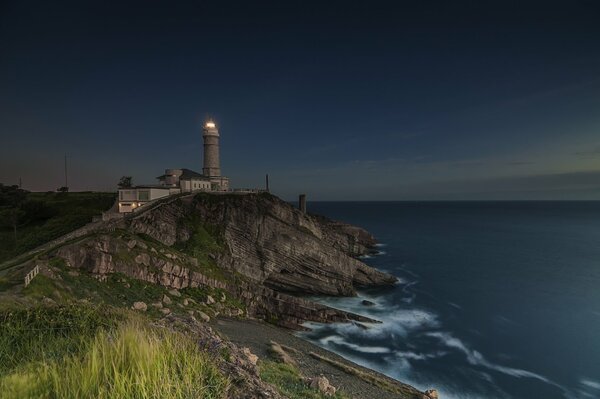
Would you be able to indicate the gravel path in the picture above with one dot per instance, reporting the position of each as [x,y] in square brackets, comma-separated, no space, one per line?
[257,335]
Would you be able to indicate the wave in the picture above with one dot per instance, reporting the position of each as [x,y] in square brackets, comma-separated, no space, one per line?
[476,358]
[365,349]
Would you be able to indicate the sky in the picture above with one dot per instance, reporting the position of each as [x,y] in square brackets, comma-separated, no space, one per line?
[341,100]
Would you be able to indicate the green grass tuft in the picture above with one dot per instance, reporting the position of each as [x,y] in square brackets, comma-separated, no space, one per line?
[288,381]
[80,351]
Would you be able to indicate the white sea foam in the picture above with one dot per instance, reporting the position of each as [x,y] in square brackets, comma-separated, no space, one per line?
[590,383]
[476,358]
[419,356]
[365,349]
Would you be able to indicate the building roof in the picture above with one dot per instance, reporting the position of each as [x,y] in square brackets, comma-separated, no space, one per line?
[187,174]
[145,186]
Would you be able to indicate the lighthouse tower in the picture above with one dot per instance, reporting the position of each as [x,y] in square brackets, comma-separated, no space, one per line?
[212,166]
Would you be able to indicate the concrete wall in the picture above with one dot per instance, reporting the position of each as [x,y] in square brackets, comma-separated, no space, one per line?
[132,198]
[195,185]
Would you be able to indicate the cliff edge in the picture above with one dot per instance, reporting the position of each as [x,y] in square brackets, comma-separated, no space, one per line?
[271,242]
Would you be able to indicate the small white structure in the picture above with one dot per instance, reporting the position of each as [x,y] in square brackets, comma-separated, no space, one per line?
[186,180]
[132,198]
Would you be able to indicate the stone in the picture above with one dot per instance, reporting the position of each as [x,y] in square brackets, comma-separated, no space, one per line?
[191,313]
[48,301]
[141,306]
[322,384]
[367,303]
[131,244]
[210,300]
[203,316]
[431,394]
[186,302]
[157,305]
[166,300]
[223,297]
[175,293]
[252,358]
[143,259]
[165,311]
[280,354]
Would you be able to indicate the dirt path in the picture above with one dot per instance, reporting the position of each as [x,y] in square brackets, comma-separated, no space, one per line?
[257,335]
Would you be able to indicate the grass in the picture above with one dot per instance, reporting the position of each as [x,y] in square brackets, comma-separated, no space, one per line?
[53,215]
[42,334]
[80,351]
[288,381]
[204,243]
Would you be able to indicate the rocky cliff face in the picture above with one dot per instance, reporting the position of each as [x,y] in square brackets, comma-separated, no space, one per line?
[255,246]
[272,243]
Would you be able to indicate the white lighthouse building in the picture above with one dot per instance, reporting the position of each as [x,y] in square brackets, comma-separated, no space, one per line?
[181,180]
[212,163]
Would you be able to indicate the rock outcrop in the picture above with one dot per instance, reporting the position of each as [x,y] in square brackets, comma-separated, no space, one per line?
[256,247]
[273,243]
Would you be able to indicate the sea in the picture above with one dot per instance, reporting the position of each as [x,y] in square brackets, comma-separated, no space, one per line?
[494,299]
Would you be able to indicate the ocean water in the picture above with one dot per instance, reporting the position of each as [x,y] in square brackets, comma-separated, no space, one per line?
[495,300]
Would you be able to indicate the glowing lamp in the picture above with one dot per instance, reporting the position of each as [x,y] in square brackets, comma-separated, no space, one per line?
[210,125]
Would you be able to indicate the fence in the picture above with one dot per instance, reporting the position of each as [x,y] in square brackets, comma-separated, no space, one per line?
[34,272]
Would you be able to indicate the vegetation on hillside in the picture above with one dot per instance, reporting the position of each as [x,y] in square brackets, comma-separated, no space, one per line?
[81,351]
[289,381]
[28,220]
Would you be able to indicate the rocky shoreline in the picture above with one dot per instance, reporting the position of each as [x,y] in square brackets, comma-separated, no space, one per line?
[354,380]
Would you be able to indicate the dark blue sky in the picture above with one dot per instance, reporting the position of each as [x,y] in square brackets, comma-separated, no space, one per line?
[338,99]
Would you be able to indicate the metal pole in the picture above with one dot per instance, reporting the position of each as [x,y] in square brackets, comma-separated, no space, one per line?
[66,179]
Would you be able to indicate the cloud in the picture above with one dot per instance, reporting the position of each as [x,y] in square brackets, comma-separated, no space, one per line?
[594,152]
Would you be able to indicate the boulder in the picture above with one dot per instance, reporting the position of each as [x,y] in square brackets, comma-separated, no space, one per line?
[165,311]
[322,384]
[367,303]
[175,293]
[141,306]
[143,259]
[252,358]
[166,300]
[431,394]
[203,316]
[131,244]
[210,300]
[186,302]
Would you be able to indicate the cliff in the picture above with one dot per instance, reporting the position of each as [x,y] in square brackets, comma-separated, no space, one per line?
[270,242]
[255,247]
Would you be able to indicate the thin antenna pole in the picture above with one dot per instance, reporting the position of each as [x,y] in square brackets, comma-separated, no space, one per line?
[66,178]
[267,181]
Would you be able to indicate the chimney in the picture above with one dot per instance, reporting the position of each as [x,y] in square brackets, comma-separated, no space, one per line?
[302,203]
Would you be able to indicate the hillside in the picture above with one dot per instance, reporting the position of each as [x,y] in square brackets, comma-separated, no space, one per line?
[188,261]
[41,217]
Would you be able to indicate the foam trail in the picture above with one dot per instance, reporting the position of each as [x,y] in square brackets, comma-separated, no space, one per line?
[476,358]
[365,349]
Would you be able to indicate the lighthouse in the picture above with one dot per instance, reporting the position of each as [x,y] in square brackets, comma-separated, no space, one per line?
[212,166]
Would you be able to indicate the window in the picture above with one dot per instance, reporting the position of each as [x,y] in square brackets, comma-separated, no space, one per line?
[144,195]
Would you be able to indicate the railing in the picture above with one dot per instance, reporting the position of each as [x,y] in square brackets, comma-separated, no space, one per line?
[34,272]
